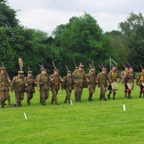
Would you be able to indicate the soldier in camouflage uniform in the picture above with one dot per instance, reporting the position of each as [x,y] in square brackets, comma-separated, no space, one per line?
[122,75]
[113,75]
[55,85]
[29,82]
[79,76]
[4,87]
[102,79]
[140,82]
[43,85]
[18,85]
[91,80]
[67,85]
[128,81]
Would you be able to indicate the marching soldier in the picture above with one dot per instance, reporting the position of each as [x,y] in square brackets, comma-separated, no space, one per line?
[4,87]
[113,86]
[122,75]
[29,80]
[67,85]
[102,79]
[43,84]
[128,81]
[18,85]
[79,75]
[140,82]
[55,85]
[91,80]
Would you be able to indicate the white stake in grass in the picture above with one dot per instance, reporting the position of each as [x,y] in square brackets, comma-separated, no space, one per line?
[25,116]
[124,107]
[71,102]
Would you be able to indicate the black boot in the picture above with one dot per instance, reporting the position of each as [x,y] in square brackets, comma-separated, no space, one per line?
[114,93]
[140,94]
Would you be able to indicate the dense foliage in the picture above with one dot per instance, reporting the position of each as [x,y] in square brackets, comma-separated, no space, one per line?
[80,39]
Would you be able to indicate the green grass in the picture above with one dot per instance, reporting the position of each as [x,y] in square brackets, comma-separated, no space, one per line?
[97,122]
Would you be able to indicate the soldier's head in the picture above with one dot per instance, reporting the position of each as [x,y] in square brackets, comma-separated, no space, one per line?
[2,70]
[126,69]
[91,70]
[114,67]
[29,73]
[131,69]
[104,70]
[20,73]
[69,73]
[43,71]
[76,68]
[56,72]
[81,67]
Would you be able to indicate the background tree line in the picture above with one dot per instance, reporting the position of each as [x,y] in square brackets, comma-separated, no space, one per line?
[81,39]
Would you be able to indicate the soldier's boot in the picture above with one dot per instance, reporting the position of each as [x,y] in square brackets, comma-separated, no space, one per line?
[109,95]
[90,97]
[2,104]
[52,100]
[56,102]
[129,94]
[65,101]
[28,101]
[140,94]
[9,103]
[114,94]
[125,91]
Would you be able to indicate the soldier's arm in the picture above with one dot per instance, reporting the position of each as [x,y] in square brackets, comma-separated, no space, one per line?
[12,84]
[38,82]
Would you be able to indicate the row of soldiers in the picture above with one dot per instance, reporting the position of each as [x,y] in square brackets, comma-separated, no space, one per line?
[76,80]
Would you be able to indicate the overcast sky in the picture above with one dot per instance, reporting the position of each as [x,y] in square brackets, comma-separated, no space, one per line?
[47,14]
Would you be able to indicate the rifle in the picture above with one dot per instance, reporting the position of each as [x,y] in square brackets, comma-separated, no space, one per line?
[75,63]
[6,73]
[56,68]
[128,64]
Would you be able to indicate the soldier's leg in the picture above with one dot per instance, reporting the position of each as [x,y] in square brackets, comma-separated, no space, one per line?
[43,96]
[140,93]
[100,98]
[21,97]
[56,101]
[28,97]
[8,98]
[114,94]
[109,94]
[80,93]
[53,95]
[2,98]
[103,92]
[68,95]
[76,93]
[17,97]
[129,94]
[143,92]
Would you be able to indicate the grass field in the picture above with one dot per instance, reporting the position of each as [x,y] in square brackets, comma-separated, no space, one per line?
[97,122]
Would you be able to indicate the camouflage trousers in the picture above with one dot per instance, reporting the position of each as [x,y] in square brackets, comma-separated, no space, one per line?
[19,96]
[68,94]
[44,94]
[3,96]
[78,93]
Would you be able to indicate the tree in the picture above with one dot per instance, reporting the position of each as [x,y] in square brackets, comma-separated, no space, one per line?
[133,33]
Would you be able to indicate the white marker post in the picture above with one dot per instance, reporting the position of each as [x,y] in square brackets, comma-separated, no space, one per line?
[25,116]
[124,107]
[71,102]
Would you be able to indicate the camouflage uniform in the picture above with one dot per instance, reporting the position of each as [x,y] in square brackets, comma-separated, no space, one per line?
[18,85]
[43,83]
[79,75]
[102,79]
[140,83]
[128,80]
[91,80]
[4,88]
[55,85]
[68,84]
[29,80]
[113,86]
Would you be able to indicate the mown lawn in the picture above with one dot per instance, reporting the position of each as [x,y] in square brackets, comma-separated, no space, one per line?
[97,122]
